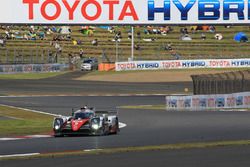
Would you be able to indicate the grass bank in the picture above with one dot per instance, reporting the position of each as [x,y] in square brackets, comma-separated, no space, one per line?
[22,122]
[31,75]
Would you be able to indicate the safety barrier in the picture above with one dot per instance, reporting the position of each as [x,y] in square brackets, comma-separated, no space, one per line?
[208,102]
[32,68]
[182,64]
[106,67]
[222,83]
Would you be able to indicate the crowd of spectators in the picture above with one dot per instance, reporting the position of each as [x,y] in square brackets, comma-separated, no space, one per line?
[56,34]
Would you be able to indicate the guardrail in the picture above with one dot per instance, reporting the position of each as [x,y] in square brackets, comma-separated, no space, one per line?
[32,68]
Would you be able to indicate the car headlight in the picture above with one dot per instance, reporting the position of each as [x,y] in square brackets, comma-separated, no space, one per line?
[57,127]
[95,126]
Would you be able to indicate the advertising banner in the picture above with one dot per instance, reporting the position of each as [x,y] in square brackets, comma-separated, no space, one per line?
[125,12]
[32,68]
[246,100]
[208,102]
[182,64]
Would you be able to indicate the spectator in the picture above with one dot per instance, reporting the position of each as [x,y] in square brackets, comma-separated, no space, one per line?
[68,37]
[184,31]
[129,35]
[2,42]
[95,42]
[111,30]
[203,36]
[137,47]
[138,35]
[74,42]
[212,29]
[218,36]
[117,38]
[175,54]
[81,53]
[168,47]
[41,35]
[25,36]
[79,42]
[58,47]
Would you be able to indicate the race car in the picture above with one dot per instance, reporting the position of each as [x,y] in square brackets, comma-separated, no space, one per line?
[86,121]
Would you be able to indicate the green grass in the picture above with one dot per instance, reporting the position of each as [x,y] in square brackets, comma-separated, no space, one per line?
[23,122]
[30,75]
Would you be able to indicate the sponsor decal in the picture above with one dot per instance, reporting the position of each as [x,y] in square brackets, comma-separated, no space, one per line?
[125,11]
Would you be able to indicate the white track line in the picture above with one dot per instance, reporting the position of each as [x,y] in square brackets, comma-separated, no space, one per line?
[18,155]
[25,109]
[122,125]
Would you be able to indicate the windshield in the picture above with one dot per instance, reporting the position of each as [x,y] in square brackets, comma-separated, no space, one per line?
[87,61]
[83,115]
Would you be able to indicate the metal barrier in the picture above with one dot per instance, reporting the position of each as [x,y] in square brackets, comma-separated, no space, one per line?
[32,68]
[208,102]
[28,56]
[223,83]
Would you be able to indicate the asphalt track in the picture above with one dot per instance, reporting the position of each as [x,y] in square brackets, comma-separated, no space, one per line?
[144,127]
[65,84]
[210,157]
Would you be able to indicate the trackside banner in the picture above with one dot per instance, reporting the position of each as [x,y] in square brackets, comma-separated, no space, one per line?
[208,102]
[182,64]
[125,11]
[32,68]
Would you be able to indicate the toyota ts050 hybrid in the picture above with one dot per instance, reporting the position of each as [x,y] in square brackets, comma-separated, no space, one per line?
[86,121]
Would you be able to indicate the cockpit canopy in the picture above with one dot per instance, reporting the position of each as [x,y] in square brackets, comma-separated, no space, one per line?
[83,115]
